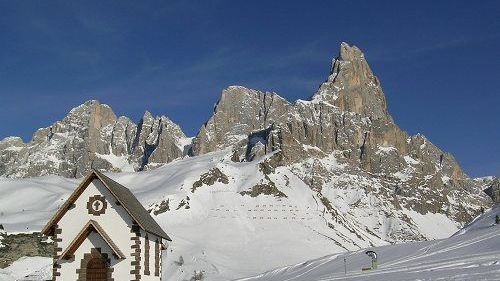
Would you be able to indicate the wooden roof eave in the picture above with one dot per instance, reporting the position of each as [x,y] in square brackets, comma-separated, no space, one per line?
[48,229]
[136,220]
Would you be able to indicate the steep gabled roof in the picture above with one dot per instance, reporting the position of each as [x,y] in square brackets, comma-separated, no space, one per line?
[84,233]
[133,206]
[126,199]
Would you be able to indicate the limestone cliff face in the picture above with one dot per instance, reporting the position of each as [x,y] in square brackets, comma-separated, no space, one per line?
[92,136]
[157,141]
[348,114]
[239,112]
[347,118]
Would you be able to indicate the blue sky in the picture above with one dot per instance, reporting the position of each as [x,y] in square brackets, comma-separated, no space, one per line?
[438,61]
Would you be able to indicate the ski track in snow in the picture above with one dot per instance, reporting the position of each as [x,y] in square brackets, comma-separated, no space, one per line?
[472,254]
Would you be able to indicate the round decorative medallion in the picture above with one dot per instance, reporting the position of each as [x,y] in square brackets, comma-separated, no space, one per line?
[96,205]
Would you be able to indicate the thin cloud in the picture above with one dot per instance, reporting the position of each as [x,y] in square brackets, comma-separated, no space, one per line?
[384,54]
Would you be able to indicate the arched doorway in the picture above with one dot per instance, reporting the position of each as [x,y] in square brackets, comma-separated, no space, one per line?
[97,270]
[95,266]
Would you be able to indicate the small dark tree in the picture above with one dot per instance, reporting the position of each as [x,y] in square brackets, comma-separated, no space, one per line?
[481,210]
[497,219]
[1,227]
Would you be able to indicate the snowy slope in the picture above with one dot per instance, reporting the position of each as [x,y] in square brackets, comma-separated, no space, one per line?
[484,221]
[226,235]
[471,254]
[219,232]
[28,269]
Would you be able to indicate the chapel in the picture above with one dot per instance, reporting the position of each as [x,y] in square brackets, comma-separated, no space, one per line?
[103,233]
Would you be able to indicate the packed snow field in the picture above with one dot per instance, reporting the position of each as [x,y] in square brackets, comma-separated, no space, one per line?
[222,235]
[28,269]
[471,254]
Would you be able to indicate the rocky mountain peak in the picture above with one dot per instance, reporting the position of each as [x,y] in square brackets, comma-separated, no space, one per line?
[243,97]
[147,117]
[91,136]
[352,86]
[90,115]
[347,117]
[238,112]
[349,53]
[92,108]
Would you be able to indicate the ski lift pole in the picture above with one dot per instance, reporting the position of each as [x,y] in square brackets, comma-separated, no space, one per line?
[345,266]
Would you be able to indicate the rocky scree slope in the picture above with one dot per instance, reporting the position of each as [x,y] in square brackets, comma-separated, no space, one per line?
[92,136]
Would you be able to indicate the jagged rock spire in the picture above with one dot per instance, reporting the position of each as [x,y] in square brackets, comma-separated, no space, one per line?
[352,86]
[91,136]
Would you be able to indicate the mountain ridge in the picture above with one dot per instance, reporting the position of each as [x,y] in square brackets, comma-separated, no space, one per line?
[341,142]
[346,55]
[92,136]
[347,115]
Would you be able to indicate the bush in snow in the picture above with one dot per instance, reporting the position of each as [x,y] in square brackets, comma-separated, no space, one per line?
[180,262]
[198,275]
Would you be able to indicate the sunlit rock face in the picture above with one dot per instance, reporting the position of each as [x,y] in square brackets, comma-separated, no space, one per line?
[91,136]
[346,118]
